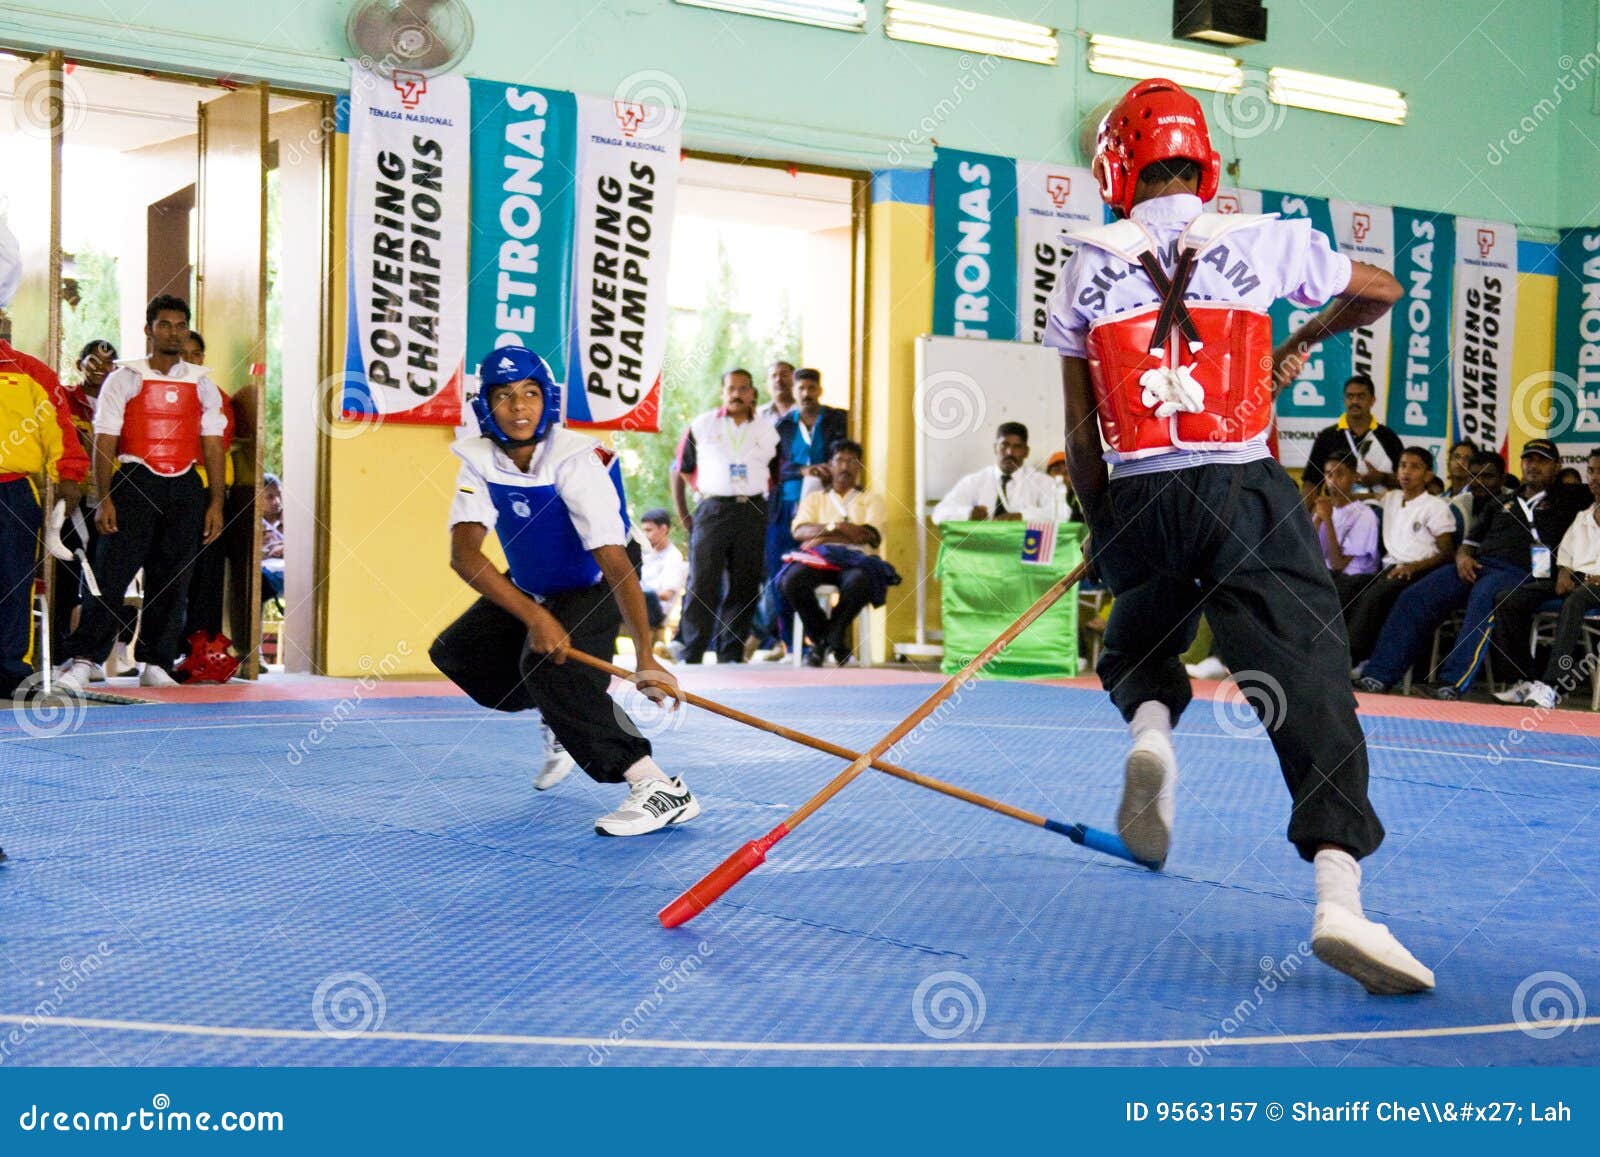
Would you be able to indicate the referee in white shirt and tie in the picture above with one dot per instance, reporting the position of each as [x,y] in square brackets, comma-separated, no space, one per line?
[1010,489]
[729,454]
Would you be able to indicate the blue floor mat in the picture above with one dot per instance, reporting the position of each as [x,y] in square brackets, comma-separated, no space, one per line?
[376,883]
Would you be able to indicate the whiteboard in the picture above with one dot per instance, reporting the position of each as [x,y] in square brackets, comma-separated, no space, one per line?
[965,388]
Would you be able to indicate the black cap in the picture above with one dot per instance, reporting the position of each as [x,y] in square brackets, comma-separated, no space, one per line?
[1541,448]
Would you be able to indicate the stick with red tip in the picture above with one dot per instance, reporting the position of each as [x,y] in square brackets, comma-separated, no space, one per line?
[1092,838]
[739,865]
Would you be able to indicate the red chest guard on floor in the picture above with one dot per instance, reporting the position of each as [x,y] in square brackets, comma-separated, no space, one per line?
[1229,377]
[161,425]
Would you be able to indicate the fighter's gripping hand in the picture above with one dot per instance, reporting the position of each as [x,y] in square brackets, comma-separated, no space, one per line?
[656,683]
[546,635]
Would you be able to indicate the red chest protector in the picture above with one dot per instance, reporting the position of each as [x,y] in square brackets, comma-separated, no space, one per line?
[161,425]
[1178,375]
[1232,367]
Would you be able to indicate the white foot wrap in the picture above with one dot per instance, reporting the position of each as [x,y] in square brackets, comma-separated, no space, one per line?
[1144,821]
[1367,951]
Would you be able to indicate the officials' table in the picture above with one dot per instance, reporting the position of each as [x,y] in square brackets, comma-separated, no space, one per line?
[985,586]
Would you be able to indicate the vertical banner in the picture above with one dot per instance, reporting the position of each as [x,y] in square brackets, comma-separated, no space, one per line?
[407,322]
[1366,233]
[1051,199]
[1419,357]
[1574,389]
[627,183]
[1229,200]
[1315,399]
[1485,321]
[974,245]
[523,145]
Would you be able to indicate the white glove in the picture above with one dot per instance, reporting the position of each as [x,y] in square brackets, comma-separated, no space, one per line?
[52,531]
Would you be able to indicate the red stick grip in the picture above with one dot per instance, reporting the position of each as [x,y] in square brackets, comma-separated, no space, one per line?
[724,876]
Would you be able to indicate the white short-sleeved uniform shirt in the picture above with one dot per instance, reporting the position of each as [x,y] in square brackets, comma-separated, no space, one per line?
[570,462]
[1253,266]
[1411,529]
[1580,546]
[123,384]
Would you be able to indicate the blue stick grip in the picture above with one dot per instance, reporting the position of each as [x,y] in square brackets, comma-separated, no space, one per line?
[1099,841]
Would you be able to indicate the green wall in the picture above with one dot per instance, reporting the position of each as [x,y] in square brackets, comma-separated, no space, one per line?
[1472,69]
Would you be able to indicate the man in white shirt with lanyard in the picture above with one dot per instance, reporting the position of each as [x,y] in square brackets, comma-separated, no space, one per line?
[729,454]
[1006,491]
[156,420]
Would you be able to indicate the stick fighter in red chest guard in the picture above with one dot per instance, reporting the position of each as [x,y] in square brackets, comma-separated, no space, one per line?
[1169,375]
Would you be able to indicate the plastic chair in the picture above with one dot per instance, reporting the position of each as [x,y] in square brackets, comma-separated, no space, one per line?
[826,593]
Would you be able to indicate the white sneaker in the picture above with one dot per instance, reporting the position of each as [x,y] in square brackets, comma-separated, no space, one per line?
[120,661]
[153,676]
[1367,951]
[74,675]
[1210,667]
[651,805]
[1516,693]
[1541,695]
[557,763]
[1149,790]
[97,673]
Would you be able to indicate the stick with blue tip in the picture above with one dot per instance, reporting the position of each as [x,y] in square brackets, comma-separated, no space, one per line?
[1091,838]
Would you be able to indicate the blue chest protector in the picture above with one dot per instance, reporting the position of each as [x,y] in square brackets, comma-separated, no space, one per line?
[541,544]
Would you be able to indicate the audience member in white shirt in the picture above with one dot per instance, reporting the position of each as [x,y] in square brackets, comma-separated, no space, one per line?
[664,570]
[1010,489]
[1418,535]
[1577,585]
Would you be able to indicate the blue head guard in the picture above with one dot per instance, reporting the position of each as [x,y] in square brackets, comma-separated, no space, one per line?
[512,363]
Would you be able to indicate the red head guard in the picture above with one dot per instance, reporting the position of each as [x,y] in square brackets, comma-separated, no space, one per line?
[208,660]
[1155,121]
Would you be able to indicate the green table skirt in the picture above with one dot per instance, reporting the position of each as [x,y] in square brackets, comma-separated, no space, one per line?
[984,588]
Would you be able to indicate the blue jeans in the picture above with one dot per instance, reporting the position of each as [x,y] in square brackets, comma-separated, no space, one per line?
[775,617]
[1420,610]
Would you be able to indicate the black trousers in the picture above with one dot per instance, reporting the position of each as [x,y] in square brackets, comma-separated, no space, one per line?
[726,556]
[1236,541]
[1367,601]
[159,524]
[485,652]
[1513,624]
[827,630]
[20,520]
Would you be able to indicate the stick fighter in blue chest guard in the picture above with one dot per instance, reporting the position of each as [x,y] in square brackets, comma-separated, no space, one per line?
[1169,375]
[554,498]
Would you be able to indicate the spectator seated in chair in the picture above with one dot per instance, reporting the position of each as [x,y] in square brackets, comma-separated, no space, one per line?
[1347,530]
[1418,537]
[1506,547]
[1577,586]
[1010,489]
[839,533]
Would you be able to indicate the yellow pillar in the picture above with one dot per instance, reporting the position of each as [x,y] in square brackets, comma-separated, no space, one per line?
[899,308]
[1533,354]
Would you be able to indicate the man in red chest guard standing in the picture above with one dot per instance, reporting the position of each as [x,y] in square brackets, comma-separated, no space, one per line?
[1169,375]
[156,420]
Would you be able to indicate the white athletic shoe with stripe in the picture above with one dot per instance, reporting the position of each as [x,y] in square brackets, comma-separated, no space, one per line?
[1367,951]
[651,805]
[1144,821]
[557,763]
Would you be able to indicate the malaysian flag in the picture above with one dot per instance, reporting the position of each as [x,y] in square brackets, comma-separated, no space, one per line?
[1039,543]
